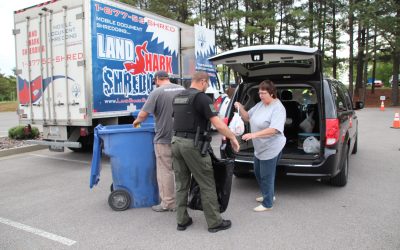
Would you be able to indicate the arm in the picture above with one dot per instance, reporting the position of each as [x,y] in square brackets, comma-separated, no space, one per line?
[262,133]
[276,126]
[224,130]
[140,118]
[148,108]
[242,112]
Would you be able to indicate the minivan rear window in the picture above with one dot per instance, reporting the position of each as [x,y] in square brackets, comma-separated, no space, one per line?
[284,63]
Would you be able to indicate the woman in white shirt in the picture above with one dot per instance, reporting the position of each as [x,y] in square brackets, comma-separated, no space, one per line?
[267,120]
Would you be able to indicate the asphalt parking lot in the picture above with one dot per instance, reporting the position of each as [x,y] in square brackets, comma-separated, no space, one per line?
[46,203]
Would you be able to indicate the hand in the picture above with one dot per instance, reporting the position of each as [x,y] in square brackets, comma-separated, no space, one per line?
[248,136]
[235,145]
[238,105]
[136,124]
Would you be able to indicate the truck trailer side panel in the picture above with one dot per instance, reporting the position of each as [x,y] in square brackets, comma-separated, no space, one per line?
[127,48]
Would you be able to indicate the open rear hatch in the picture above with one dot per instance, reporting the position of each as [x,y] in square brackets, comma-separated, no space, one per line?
[278,62]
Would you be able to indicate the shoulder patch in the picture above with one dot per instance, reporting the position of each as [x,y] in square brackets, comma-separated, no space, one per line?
[213,108]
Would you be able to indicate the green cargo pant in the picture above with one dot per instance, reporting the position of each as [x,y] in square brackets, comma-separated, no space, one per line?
[188,160]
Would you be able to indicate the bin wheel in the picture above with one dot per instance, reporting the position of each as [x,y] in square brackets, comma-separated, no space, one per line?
[119,200]
[111,187]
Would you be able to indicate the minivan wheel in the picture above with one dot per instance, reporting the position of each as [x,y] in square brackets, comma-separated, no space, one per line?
[340,180]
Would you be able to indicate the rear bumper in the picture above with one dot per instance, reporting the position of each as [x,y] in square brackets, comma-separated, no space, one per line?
[325,167]
[68,144]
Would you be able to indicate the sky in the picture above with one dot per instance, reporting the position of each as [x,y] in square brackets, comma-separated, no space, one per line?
[7,48]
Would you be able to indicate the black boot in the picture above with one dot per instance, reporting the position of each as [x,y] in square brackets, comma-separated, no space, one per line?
[225,224]
[184,226]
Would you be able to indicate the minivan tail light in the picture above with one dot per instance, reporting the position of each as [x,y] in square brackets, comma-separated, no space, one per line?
[217,103]
[332,131]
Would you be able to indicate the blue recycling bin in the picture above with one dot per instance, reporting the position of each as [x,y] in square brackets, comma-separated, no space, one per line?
[150,117]
[133,164]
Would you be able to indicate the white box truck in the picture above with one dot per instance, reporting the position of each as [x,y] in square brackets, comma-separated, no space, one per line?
[84,62]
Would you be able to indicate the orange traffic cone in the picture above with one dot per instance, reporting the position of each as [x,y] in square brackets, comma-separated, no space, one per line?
[396,121]
[382,106]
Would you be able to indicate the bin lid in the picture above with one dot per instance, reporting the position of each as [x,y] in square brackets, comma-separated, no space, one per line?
[149,119]
[125,128]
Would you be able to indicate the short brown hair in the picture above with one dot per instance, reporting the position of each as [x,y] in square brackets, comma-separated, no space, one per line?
[269,86]
[200,75]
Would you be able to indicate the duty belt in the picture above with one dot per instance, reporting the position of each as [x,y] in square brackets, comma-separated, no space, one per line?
[186,135]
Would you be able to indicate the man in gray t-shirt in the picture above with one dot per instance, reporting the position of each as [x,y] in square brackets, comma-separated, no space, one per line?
[159,103]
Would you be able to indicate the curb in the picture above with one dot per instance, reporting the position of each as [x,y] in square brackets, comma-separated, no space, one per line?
[20,150]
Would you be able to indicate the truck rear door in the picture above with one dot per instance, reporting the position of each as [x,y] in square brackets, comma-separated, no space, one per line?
[50,64]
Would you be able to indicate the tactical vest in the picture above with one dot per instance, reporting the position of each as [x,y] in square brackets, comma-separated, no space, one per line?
[186,118]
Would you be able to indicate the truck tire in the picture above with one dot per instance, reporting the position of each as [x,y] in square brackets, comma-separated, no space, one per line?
[340,180]
[119,200]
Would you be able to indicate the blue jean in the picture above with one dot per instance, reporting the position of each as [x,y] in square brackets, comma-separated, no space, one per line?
[264,171]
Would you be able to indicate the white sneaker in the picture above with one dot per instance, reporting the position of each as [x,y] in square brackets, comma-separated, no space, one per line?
[261,208]
[261,199]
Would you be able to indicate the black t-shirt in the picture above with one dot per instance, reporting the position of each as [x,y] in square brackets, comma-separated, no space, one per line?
[204,106]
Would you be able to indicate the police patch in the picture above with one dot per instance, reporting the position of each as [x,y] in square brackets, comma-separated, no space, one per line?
[181,100]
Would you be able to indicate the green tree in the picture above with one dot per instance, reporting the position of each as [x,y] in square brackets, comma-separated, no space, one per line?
[373,26]
[383,71]
[8,91]
[179,10]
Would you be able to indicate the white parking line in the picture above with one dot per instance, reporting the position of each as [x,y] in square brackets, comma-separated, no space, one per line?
[39,232]
[8,157]
[63,159]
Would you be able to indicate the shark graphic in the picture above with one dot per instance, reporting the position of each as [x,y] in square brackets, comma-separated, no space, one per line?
[137,67]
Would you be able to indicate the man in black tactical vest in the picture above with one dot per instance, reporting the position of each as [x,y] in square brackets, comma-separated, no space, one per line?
[193,112]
